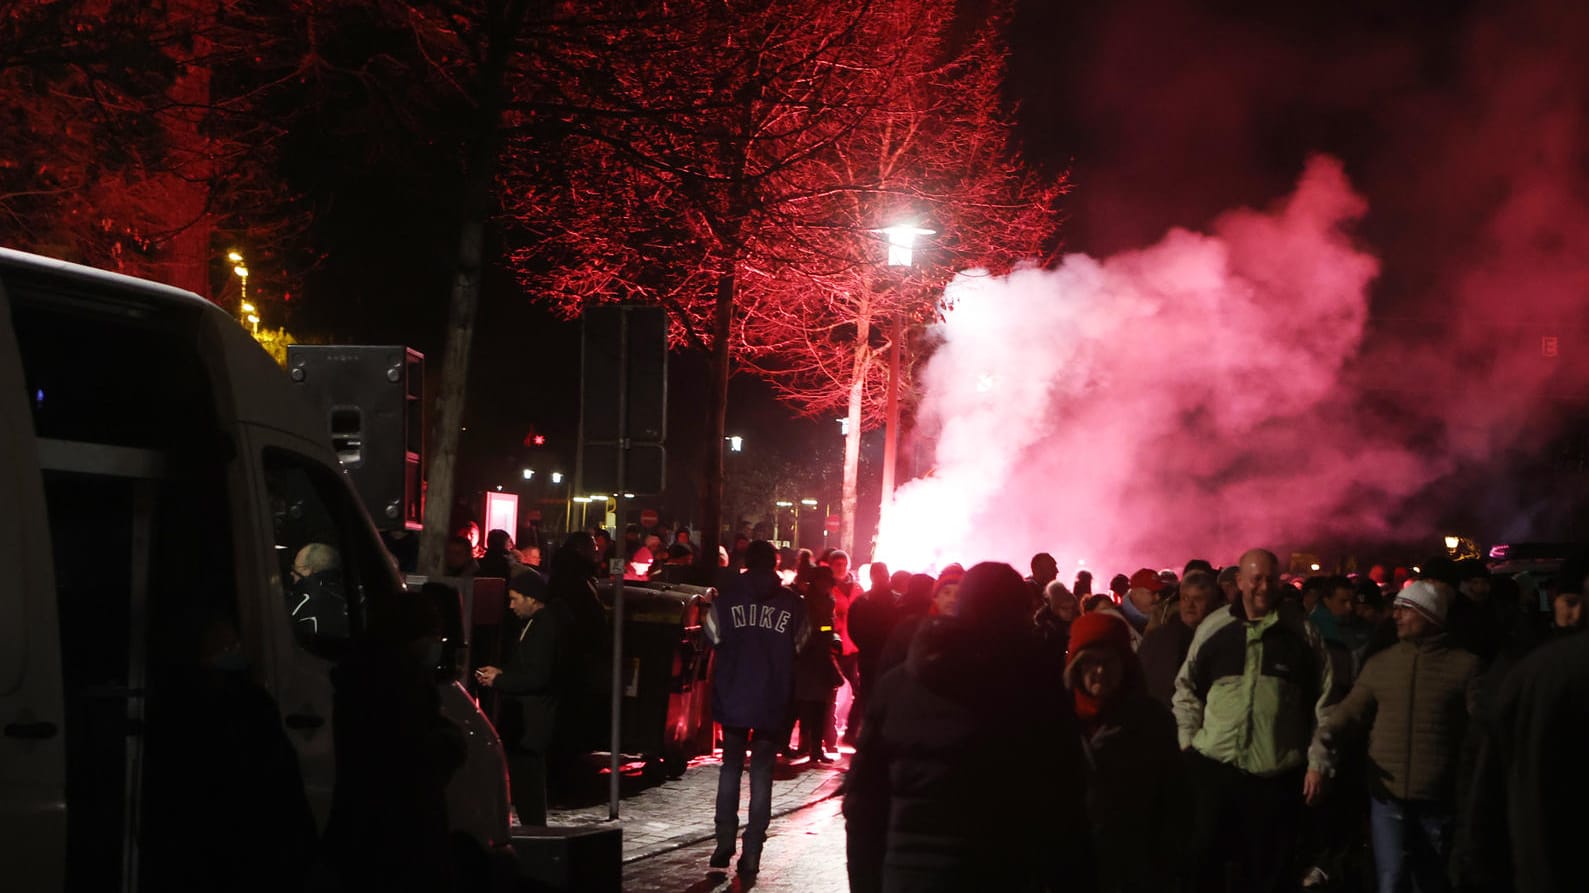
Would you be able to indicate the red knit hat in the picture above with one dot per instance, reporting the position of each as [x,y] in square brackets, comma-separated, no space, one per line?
[1099,629]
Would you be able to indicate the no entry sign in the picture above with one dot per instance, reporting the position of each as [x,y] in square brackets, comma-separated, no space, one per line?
[648,518]
[834,523]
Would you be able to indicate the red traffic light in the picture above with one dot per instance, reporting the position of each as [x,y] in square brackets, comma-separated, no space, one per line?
[539,440]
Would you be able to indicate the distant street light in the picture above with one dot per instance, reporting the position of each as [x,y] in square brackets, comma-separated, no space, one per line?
[808,503]
[844,427]
[736,444]
[529,474]
[1452,542]
[557,477]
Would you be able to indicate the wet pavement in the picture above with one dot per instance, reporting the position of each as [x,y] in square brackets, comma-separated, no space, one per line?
[804,852]
[676,815]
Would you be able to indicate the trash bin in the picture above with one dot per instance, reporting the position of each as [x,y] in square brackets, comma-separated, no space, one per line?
[666,711]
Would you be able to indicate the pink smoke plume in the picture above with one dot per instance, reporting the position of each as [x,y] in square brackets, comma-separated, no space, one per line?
[1182,400]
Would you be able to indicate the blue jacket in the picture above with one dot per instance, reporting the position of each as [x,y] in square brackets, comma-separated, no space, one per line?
[757,626]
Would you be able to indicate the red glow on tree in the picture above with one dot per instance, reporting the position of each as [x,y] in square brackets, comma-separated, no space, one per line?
[732,162]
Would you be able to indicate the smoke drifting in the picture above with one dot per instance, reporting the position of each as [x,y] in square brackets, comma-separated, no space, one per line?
[1374,361]
[1179,400]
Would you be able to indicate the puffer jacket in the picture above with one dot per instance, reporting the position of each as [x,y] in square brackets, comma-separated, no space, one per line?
[1414,698]
[1254,694]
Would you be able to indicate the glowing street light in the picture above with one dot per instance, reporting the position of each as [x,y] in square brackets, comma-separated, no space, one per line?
[557,477]
[808,503]
[736,444]
[1452,542]
[783,504]
[901,239]
[844,427]
[529,474]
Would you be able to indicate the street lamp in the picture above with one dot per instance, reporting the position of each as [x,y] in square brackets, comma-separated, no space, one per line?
[901,240]
[557,477]
[1452,542]
[529,474]
[736,444]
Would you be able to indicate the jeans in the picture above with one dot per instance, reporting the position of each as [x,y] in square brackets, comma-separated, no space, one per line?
[1412,840]
[763,746]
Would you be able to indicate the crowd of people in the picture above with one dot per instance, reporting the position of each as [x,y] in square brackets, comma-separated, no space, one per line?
[1213,728]
[1208,729]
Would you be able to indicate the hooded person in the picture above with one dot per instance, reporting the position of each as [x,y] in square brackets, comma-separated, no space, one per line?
[948,744]
[1129,738]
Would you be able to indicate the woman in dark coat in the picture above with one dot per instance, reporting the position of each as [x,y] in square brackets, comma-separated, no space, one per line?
[968,774]
[1132,755]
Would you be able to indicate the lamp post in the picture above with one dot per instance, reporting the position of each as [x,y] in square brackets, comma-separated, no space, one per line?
[901,240]
[246,311]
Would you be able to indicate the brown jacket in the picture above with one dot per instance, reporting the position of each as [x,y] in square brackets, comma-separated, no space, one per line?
[1415,699]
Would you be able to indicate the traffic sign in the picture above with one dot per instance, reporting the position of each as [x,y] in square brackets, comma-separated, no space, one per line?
[648,518]
[834,523]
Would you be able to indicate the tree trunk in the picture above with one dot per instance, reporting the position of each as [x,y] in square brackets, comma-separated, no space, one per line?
[852,438]
[891,421]
[717,420]
[464,302]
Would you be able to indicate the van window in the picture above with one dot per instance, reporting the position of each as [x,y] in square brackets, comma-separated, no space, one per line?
[324,550]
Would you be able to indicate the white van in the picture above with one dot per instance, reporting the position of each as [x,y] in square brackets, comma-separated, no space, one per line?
[159,696]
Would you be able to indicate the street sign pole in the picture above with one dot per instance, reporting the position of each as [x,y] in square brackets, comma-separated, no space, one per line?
[616,572]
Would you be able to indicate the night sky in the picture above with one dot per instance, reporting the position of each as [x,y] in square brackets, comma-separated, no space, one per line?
[1163,113]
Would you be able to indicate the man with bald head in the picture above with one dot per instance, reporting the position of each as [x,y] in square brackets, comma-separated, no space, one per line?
[1249,702]
[315,597]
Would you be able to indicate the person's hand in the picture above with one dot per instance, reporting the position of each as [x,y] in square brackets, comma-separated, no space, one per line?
[1312,786]
[487,675]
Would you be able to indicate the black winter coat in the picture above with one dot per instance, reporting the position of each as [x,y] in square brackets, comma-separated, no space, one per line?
[534,679]
[968,774]
[1136,794]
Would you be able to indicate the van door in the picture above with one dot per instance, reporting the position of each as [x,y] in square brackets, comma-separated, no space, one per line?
[32,713]
[323,557]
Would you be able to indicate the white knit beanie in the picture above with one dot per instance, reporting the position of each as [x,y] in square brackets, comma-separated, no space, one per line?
[1427,597]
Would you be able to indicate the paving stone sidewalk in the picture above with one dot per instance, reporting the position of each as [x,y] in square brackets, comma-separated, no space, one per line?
[678,813]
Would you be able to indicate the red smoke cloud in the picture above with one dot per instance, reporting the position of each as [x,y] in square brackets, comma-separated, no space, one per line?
[1179,400]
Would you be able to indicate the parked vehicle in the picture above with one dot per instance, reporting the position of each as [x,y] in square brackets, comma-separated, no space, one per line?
[166,666]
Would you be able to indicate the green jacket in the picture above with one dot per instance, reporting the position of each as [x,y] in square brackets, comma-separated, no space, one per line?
[1414,698]
[1254,694]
